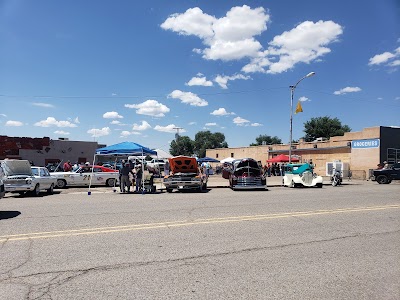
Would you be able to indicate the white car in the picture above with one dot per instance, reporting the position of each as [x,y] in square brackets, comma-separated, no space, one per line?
[20,178]
[301,175]
[83,176]
[47,182]
[2,189]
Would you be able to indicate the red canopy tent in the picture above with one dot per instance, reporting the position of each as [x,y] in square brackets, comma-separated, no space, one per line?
[282,158]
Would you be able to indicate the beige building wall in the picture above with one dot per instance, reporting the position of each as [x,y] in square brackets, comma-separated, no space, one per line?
[337,148]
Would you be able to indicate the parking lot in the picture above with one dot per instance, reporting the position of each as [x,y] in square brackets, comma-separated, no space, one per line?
[307,243]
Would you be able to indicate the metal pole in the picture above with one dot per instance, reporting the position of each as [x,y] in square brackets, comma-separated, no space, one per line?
[291,123]
[292,88]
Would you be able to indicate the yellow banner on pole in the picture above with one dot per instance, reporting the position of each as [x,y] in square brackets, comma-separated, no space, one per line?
[298,108]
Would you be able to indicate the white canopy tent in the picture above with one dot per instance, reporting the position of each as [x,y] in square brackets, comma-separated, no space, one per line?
[227,160]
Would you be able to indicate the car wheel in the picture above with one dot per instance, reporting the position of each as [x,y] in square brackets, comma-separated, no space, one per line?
[319,185]
[169,190]
[61,183]
[110,182]
[50,190]
[382,179]
[36,191]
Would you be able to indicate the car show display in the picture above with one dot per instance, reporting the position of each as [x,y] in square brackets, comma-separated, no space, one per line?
[20,178]
[86,175]
[244,174]
[184,175]
[301,175]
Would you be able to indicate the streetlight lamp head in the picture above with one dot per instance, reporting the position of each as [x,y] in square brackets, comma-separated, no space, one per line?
[310,74]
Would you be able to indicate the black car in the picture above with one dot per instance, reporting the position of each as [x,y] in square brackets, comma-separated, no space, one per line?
[386,175]
[245,174]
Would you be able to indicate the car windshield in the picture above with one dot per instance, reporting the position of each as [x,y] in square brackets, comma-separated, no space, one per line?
[35,171]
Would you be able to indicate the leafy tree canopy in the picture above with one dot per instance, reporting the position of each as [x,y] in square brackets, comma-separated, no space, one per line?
[206,140]
[324,127]
[183,145]
[264,139]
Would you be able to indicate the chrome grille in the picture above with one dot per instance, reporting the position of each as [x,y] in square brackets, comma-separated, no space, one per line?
[307,177]
[249,181]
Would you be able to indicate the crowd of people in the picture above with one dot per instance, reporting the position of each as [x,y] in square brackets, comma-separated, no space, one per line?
[274,169]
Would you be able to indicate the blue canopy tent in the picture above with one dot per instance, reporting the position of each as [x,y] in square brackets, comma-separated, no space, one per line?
[207,159]
[123,149]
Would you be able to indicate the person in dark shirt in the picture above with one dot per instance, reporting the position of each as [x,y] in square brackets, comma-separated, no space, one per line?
[139,175]
[125,182]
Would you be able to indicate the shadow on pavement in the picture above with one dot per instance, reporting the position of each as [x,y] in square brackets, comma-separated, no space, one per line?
[9,214]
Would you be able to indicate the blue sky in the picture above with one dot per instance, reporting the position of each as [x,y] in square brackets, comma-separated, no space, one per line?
[115,71]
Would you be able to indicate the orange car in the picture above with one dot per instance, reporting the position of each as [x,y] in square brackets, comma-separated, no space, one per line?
[184,175]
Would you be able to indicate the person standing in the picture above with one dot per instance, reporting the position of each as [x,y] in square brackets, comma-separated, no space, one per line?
[67,166]
[139,176]
[166,168]
[125,182]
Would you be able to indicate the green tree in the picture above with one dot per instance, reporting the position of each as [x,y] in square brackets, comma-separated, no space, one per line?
[206,140]
[324,127]
[183,145]
[264,139]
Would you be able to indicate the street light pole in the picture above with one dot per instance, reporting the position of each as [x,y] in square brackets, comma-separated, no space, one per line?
[292,88]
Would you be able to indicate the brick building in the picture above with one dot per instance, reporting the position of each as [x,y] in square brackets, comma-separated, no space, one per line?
[362,150]
[42,151]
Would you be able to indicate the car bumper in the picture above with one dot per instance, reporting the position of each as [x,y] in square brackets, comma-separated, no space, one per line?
[18,188]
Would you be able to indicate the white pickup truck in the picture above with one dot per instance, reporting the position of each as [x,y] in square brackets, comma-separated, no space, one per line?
[156,164]
[21,178]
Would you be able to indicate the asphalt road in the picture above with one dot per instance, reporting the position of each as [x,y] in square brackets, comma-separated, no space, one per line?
[330,243]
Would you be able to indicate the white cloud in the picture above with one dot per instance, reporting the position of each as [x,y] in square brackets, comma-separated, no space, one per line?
[141,127]
[192,123]
[394,63]
[380,58]
[112,115]
[240,121]
[233,37]
[169,128]
[99,132]
[223,80]
[397,98]
[256,124]
[305,43]
[303,99]
[76,120]
[14,123]
[188,98]
[115,122]
[347,90]
[221,112]
[202,81]
[150,108]
[3,115]
[210,124]
[125,133]
[50,121]
[228,38]
[387,58]
[61,132]
[45,105]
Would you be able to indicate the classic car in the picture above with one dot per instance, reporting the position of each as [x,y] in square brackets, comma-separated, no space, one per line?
[184,175]
[297,175]
[21,178]
[244,174]
[85,175]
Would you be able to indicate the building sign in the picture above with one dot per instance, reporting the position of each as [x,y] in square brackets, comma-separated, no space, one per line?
[363,144]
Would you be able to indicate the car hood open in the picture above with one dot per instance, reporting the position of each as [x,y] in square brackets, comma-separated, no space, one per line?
[183,164]
[16,167]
